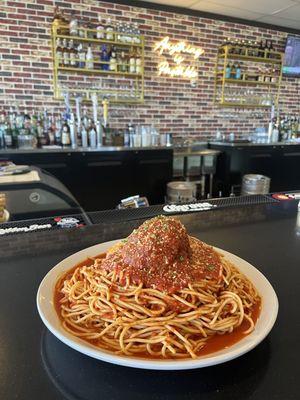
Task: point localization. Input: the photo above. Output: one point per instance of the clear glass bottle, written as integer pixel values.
(81, 56)
(59, 51)
(100, 29)
(105, 57)
(73, 54)
(89, 58)
(132, 61)
(109, 30)
(138, 62)
(66, 54)
(113, 60)
(73, 24)
(65, 135)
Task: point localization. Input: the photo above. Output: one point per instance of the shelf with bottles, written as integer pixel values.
(249, 50)
(107, 60)
(236, 66)
(134, 40)
(75, 48)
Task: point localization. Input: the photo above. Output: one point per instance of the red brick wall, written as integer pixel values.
(171, 104)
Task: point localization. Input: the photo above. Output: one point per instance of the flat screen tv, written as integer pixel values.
(291, 62)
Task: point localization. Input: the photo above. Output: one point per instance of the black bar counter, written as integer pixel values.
(35, 365)
(279, 161)
(100, 178)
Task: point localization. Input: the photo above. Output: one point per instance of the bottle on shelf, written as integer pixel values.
(81, 56)
(73, 54)
(105, 57)
(51, 130)
(59, 51)
(228, 71)
(113, 60)
(255, 49)
(85, 118)
(109, 30)
(65, 135)
(262, 48)
(66, 54)
(233, 71)
(89, 58)
(92, 135)
(137, 33)
(132, 61)
(121, 62)
(73, 24)
(100, 29)
(138, 62)
(58, 131)
(90, 31)
(84, 136)
(238, 72)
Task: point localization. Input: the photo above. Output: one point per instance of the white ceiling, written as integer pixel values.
(284, 13)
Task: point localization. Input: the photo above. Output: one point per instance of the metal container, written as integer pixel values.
(181, 192)
(255, 184)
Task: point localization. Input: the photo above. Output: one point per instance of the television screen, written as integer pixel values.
(291, 62)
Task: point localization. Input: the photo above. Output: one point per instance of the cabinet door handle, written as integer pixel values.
(104, 163)
(161, 161)
(54, 165)
(293, 154)
(260, 155)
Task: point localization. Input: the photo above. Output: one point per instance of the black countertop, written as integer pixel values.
(252, 144)
(35, 365)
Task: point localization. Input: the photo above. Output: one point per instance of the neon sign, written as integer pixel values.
(178, 66)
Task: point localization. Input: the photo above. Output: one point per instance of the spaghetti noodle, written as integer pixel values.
(115, 302)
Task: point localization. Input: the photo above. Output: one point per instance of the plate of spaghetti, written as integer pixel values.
(159, 299)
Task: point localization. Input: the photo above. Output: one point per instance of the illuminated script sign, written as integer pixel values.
(175, 63)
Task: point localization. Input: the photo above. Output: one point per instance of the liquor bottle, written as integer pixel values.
(255, 49)
(73, 25)
(113, 60)
(109, 30)
(89, 58)
(81, 56)
(233, 71)
(228, 71)
(104, 57)
(92, 134)
(85, 119)
(137, 33)
(73, 135)
(122, 62)
(262, 48)
(90, 32)
(2, 130)
(59, 51)
(100, 29)
(138, 62)
(58, 130)
(66, 53)
(119, 33)
(65, 135)
(51, 130)
(40, 130)
(238, 73)
(73, 54)
(132, 61)
(5, 133)
(84, 136)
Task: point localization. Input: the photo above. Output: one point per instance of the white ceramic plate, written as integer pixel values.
(263, 326)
